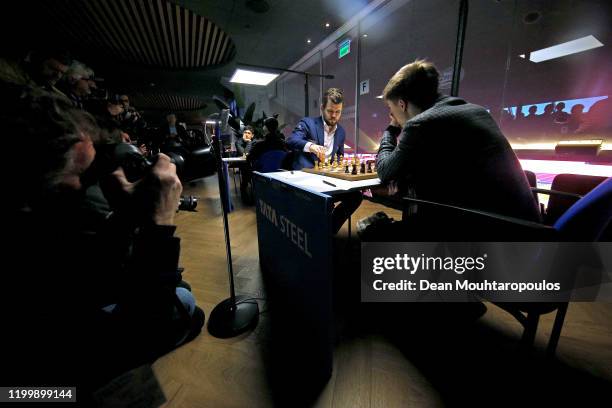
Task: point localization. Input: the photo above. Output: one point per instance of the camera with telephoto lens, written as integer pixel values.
(135, 166)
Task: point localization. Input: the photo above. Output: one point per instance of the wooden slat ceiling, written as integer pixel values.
(167, 102)
(155, 33)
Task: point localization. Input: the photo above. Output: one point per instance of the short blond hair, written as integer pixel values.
(416, 82)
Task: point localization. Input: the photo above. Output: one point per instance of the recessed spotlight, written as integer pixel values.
(365, 36)
(308, 41)
(327, 25)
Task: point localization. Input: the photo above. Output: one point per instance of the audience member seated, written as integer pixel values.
(108, 116)
(39, 69)
(132, 121)
(84, 305)
(172, 134)
(597, 122)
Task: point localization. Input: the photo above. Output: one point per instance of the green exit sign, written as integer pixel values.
(344, 48)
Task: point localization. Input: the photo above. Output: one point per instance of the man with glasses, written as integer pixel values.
(79, 83)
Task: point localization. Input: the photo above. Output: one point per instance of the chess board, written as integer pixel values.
(340, 174)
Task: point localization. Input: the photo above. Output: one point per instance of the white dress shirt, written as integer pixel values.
(329, 133)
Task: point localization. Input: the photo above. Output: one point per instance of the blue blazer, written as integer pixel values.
(311, 130)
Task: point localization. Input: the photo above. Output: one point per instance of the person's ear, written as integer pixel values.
(403, 106)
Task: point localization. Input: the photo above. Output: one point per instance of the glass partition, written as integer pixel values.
(340, 60)
(287, 94)
(392, 37)
(542, 68)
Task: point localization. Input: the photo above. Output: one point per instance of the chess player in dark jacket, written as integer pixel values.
(447, 150)
(273, 140)
(244, 143)
(322, 138)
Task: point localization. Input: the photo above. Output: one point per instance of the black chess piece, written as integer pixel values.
(346, 168)
(369, 167)
(362, 168)
(354, 171)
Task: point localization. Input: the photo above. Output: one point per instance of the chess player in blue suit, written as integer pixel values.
(323, 135)
(322, 138)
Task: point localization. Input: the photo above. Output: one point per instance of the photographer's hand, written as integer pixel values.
(170, 189)
(156, 196)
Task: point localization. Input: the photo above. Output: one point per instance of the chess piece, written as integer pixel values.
(369, 167)
(316, 167)
(346, 167)
(354, 171)
(325, 163)
(362, 169)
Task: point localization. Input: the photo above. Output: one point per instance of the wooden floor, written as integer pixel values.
(385, 357)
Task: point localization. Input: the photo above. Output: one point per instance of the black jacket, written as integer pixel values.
(66, 266)
(243, 146)
(270, 142)
(455, 153)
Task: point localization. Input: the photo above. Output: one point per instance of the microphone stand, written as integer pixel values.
(236, 314)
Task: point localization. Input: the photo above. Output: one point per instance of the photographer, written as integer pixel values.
(78, 84)
(86, 300)
(132, 122)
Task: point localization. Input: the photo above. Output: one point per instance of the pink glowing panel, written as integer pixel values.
(558, 167)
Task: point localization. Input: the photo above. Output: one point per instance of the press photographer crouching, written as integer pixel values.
(89, 294)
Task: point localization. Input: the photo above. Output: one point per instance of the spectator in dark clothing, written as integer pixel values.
(447, 150)
(560, 116)
(598, 120)
(131, 120)
(108, 116)
(576, 118)
(105, 297)
(39, 69)
(172, 134)
(532, 113)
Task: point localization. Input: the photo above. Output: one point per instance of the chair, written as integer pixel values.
(533, 184)
(585, 221)
(270, 161)
(566, 190)
(531, 178)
